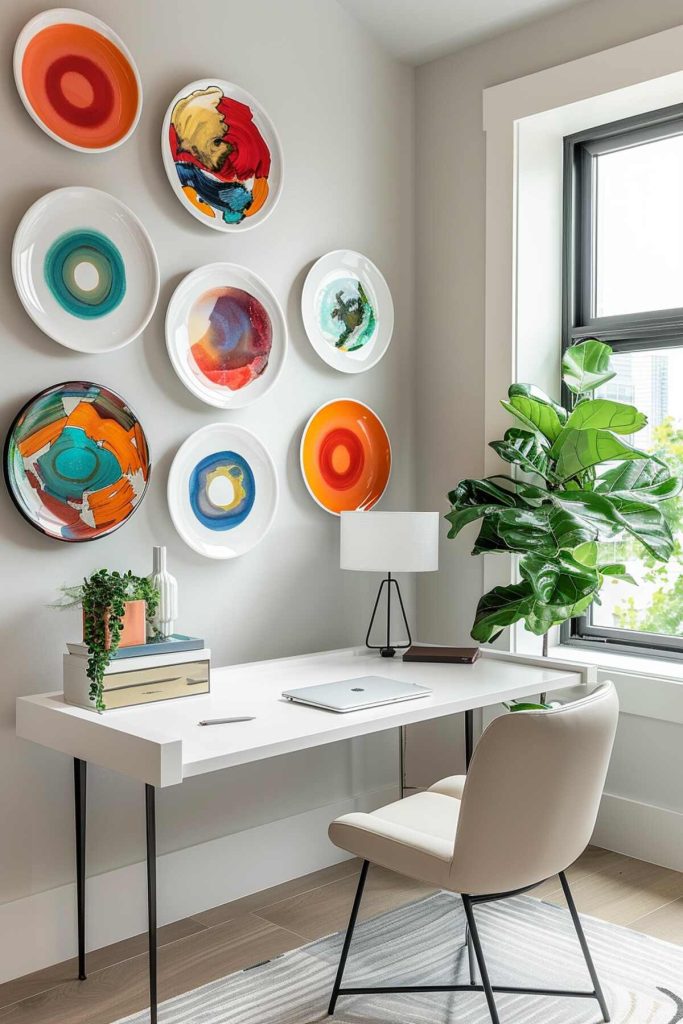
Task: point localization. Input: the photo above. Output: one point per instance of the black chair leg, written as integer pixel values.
(599, 995)
(470, 955)
(486, 984)
(348, 937)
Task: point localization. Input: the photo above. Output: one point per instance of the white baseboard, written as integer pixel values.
(40, 930)
(650, 833)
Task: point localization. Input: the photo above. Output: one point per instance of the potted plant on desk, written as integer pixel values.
(117, 609)
(582, 486)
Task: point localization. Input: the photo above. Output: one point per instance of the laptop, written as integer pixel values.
(356, 694)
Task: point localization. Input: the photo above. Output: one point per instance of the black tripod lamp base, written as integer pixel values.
(388, 650)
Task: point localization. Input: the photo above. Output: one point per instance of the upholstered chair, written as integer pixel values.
(525, 811)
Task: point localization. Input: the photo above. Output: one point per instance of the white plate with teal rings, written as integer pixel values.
(85, 269)
(222, 491)
(347, 311)
(226, 335)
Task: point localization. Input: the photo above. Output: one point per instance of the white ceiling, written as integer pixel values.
(419, 30)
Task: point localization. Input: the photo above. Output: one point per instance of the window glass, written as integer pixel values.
(639, 228)
(653, 381)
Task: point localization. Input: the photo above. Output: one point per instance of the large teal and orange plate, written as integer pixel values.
(76, 461)
(345, 456)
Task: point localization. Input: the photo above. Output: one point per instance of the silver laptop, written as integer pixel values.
(355, 694)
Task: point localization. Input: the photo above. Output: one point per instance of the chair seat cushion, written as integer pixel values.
(414, 836)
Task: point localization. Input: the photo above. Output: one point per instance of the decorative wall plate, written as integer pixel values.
(77, 80)
(222, 491)
(345, 456)
(347, 311)
(76, 461)
(222, 155)
(226, 335)
(85, 269)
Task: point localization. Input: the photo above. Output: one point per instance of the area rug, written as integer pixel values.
(526, 943)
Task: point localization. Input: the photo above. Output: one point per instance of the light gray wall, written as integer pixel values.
(344, 111)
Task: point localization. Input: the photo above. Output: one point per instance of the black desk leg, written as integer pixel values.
(80, 779)
(152, 898)
(469, 737)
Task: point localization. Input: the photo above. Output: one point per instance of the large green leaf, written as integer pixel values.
(616, 570)
(586, 366)
(530, 492)
(535, 410)
(488, 539)
(460, 518)
(522, 448)
(605, 414)
(558, 580)
(643, 480)
(541, 573)
(595, 509)
(482, 492)
(473, 499)
(586, 554)
(647, 524)
(568, 594)
(499, 608)
(582, 449)
(542, 617)
(545, 530)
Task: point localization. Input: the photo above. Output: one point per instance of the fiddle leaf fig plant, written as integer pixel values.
(583, 483)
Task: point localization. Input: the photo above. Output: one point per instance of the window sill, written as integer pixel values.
(628, 664)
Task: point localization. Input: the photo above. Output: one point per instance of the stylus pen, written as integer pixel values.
(227, 721)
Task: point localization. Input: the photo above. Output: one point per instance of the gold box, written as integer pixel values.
(129, 682)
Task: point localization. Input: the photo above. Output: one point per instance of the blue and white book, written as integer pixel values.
(168, 645)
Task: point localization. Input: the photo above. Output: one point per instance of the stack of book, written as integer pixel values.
(177, 666)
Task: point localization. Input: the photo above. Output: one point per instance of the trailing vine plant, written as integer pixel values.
(103, 596)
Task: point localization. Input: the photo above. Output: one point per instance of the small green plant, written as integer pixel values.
(103, 596)
(578, 486)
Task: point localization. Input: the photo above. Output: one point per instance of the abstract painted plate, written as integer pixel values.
(222, 155)
(222, 491)
(226, 335)
(76, 461)
(347, 311)
(345, 456)
(85, 269)
(77, 80)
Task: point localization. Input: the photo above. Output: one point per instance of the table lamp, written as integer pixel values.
(389, 542)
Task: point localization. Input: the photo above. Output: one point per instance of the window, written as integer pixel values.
(623, 284)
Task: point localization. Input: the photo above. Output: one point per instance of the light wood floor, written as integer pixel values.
(249, 931)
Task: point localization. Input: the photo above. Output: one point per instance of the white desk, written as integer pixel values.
(162, 744)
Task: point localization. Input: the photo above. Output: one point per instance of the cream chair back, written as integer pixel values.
(532, 794)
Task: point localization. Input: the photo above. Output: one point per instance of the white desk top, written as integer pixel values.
(162, 743)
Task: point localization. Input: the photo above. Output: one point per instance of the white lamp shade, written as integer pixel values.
(390, 541)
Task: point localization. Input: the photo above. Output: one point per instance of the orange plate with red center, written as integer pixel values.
(345, 456)
(77, 80)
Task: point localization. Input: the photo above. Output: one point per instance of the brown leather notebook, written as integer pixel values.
(442, 655)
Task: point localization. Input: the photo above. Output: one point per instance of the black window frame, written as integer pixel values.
(630, 332)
